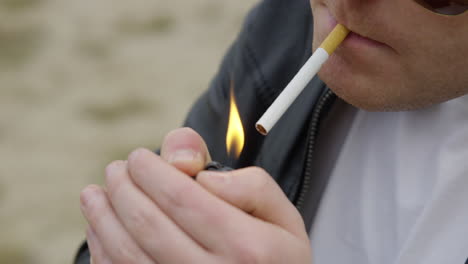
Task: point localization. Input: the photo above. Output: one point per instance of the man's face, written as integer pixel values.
(400, 56)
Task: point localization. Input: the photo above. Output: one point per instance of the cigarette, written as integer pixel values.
(302, 78)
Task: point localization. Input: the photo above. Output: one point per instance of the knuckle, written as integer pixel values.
(140, 220)
(258, 171)
(94, 207)
(128, 252)
(114, 164)
(115, 179)
(113, 187)
(179, 197)
(137, 156)
(141, 162)
(260, 178)
(251, 252)
(111, 169)
(125, 254)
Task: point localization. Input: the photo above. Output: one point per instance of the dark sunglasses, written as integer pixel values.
(446, 7)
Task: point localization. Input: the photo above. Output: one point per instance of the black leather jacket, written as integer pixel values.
(274, 43)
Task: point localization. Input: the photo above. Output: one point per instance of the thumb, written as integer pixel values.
(186, 150)
(255, 192)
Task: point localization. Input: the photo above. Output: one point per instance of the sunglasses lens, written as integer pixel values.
(446, 7)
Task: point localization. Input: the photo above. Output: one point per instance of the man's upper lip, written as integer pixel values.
(339, 15)
(360, 33)
(356, 30)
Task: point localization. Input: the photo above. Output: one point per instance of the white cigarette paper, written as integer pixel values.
(300, 81)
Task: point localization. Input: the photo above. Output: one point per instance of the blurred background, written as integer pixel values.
(84, 82)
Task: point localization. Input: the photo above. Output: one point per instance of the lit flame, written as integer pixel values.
(235, 133)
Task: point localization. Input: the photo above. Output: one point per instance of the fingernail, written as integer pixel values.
(114, 166)
(134, 155)
(183, 155)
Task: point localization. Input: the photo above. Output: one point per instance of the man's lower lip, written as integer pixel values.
(358, 40)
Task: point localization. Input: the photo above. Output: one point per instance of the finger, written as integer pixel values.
(153, 231)
(185, 149)
(255, 192)
(206, 218)
(114, 239)
(98, 256)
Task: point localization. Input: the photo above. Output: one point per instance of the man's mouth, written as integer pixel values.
(355, 39)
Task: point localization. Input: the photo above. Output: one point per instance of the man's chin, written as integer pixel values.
(360, 95)
(372, 98)
(358, 87)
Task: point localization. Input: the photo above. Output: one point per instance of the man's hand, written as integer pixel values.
(153, 212)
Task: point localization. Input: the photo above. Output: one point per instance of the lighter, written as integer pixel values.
(216, 166)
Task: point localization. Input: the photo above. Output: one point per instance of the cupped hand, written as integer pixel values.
(152, 212)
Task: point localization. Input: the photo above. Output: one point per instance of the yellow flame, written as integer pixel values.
(235, 133)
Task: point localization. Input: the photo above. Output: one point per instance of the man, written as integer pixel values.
(366, 187)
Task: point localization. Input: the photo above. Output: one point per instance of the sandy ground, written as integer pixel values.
(83, 82)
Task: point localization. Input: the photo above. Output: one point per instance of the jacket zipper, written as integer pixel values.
(327, 97)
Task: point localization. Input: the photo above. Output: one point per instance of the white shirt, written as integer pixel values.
(399, 191)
